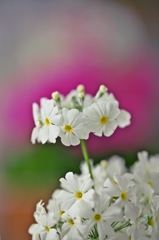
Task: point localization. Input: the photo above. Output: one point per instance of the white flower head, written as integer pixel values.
(72, 127)
(73, 228)
(101, 117)
(102, 215)
(76, 189)
(125, 192)
(144, 171)
(37, 116)
(48, 231)
(51, 118)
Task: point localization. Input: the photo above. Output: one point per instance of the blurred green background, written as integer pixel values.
(49, 46)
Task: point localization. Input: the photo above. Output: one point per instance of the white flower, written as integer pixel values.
(50, 117)
(40, 210)
(73, 228)
(104, 170)
(101, 117)
(124, 117)
(75, 190)
(55, 206)
(35, 228)
(72, 127)
(144, 193)
(47, 231)
(125, 192)
(144, 171)
(37, 116)
(102, 215)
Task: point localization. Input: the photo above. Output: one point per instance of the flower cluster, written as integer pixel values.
(73, 117)
(116, 205)
(105, 201)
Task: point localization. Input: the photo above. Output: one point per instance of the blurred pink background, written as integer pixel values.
(49, 46)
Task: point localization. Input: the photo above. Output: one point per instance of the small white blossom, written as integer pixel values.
(75, 190)
(47, 231)
(101, 117)
(73, 227)
(102, 215)
(72, 127)
(125, 193)
(144, 171)
(37, 116)
(49, 131)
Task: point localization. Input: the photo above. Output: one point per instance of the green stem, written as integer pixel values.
(86, 157)
(127, 224)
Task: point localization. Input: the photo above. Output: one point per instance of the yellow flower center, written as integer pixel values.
(151, 222)
(115, 182)
(71, 222)
(47, 229)
(103, 120)
(150, 183)
(123, 196)
(68, 128)
(61, 212)
(47, 122)
(79, 195)
(97, 217)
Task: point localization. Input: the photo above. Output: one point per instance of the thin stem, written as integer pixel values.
(127, 224)
(86, 157)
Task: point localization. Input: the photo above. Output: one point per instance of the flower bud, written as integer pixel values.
(81, 95)
(80, 88)
(56, 96)
(102, 89)
(104, 164)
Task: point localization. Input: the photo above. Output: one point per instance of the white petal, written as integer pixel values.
(122, 182)
(44, 134)
(131, 210)
(92, 112)
(123, 119)
(81, 134)
(111, 188)
(74, 140)
(65, 229)
(48, 107)
(110, 128)
(67, 199)
(104, 229)
(42, 101)
(65, 139)
(53, 133)
(84, 209)
(70, 183)
(34, 135)
(55, 119)
(112, 110)
(33, 229)
(36, 111)
(113, 213)
(53, 234)
(74, 234)
(71, 115)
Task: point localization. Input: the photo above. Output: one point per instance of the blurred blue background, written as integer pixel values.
(55, 45)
